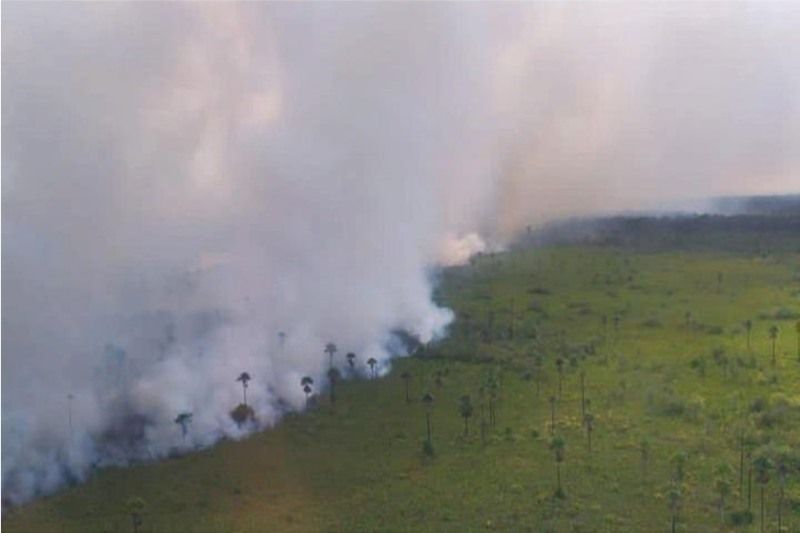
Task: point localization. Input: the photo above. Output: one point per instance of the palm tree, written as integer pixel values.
(588, 420)
(783, 465)
(538, 362)
(351, 360)
(583, 393)
(560, 368)
(306, 384)
(773, 335)
(330, 349)
(427, 401)
(333, 377)
(406, 376)
(552, 414)
(679, 462)
(674, 500)
(644, 453)
(762, 465)
(70, 397)
(183, 420)
(748, 326)
(465, 410)
(493, 386)
(557, 445)
(244, 377)
(722, 485)
(797, 327)
(372, 362)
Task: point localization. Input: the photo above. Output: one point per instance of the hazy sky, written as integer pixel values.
(182, 181)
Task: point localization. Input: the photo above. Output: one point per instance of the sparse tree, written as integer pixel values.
(558, 446)
(333, 378)
(371, 362)
(406, 375)
(183, 420)
(331, 350)
(773, 336)
(762, 465)
(243, 378)
(465, 410)
(351, 360)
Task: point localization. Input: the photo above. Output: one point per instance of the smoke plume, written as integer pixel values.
(194, 190)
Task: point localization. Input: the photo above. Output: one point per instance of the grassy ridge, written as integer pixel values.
(685, 385)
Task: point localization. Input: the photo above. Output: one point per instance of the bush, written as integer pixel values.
(243, 414)
(741, 518)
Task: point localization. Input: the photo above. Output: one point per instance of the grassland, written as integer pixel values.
(686, 384)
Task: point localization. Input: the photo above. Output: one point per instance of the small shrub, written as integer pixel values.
(741, 518)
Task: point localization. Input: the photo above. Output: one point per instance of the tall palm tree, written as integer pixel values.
(351, 360)
(588, 421)
(427, 401)
(773, 335)
(330, 349)
(644, 453)
(406, 376)
(560, 368)
(797, 328)
(762, 465)
(583, 393)
(183, 420)
(70, 397)
(306, 383)
(783, 466)
(333, 377)
(493, 385)
(748, 326)
(372, 362)
(557, 445)
(552, 414)
(244, 377)
(674, 500)
(538, 362)
(722, 485)
(465, 410)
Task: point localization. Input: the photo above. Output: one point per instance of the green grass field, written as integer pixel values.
(682, 383)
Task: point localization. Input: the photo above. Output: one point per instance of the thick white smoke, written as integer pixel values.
(195, 190)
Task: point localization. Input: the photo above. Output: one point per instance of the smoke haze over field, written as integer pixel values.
(182, 182)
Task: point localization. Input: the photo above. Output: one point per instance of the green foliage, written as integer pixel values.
(362, 467)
